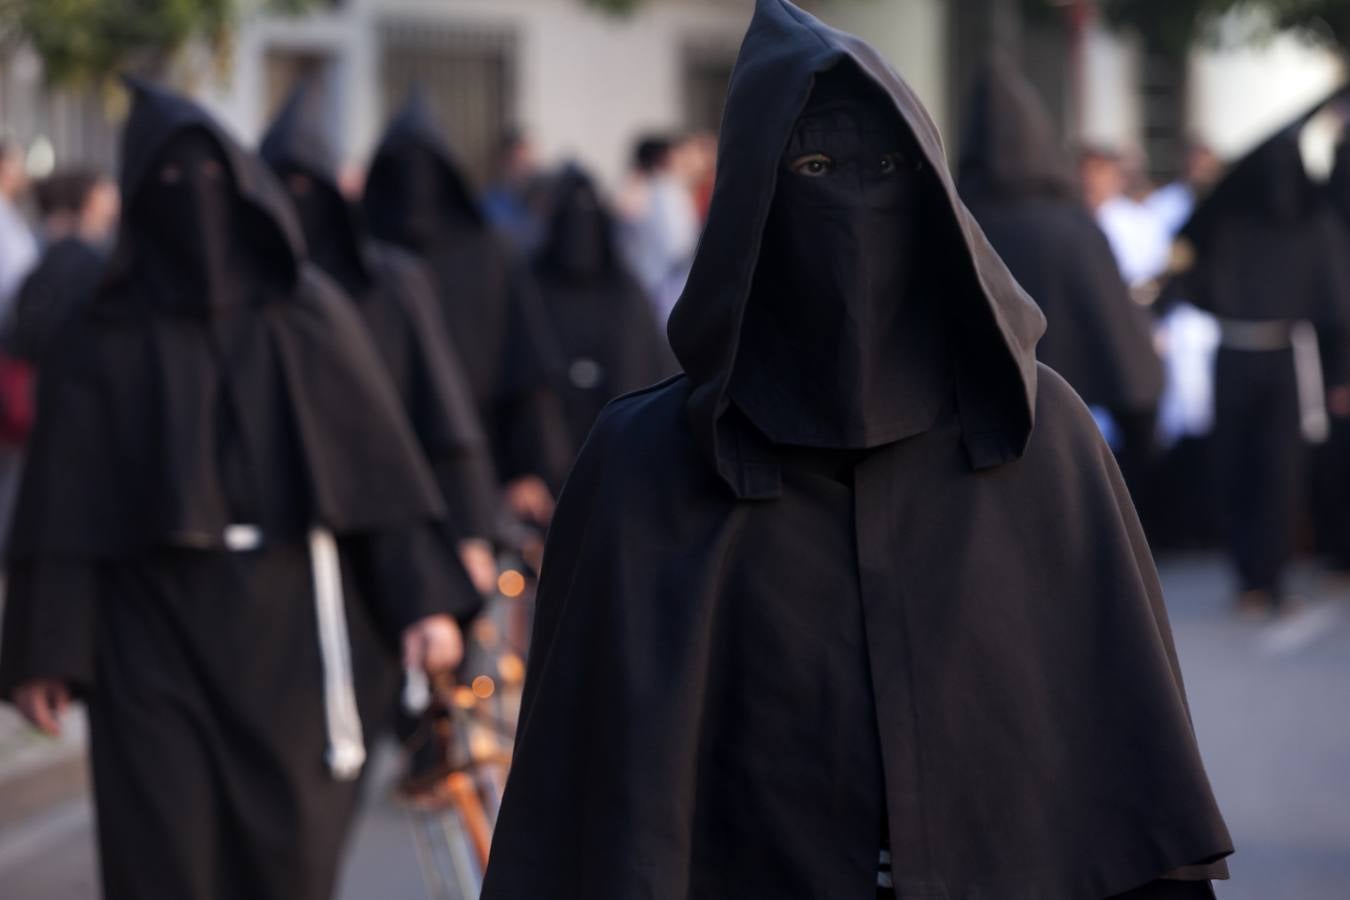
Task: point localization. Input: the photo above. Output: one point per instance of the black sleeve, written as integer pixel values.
(48, 626)
(1170, 890)
(468, 484)
(410, 574)
(533, 438)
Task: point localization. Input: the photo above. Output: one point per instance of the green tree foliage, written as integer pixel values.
(88, 41)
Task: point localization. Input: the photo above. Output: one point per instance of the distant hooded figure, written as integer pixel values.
(222, 476)
(600, 316)
(859, 603)
(418, 198)
(1021, 187)
(396, 299)
(1270, 263)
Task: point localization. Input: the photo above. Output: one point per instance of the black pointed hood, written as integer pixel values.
(157, 117)
(1268, 183)
(1010, 148)
(997, 324)
(299, 139)
(299, 136)
(415, 129)
(573, 196)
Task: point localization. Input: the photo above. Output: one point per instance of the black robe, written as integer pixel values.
(1331, 476)
(1267, 248)
(164, 419)
(600, 316)
(744, 663)
(1020, 186)
(61, 284)
(395, 297)
(491, 307)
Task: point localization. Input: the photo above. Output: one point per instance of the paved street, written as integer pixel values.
(1271, 703)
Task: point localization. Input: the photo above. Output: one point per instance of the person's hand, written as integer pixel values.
(43, 701)
(433, 645)
(530, 499)
(476, 555)
(1338, 401)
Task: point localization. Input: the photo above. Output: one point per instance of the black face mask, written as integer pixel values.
(579, 241)
(414, 190)
(192, 221)
(839, 348)
(326, 220)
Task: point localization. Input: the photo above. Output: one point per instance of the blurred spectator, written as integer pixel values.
(18, 250)
(1174, 203)
(659, 225)
(1138, 238)
(506, 200)
(79, 211)
(696, 163)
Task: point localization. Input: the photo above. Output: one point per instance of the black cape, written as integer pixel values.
(396, 300)
(1019, 184)
(162, 421)
(742, 669)
(61, 284)
(599, 314)
(490, 305)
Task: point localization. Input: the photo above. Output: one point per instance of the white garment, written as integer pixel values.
(18, 252)
(659, 238)
(1172, 206)
(1190, 339)
(1139, 239)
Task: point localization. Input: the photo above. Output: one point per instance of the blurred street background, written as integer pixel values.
(522, 85)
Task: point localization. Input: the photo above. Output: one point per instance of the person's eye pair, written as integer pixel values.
(818, 165)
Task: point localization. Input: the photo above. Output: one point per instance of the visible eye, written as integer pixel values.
(815, 165)
(170, 174)
(892, 163)
(210, 168)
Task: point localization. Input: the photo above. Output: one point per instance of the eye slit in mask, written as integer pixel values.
(170, 174)
(812, 165)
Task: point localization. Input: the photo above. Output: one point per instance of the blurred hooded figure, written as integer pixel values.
(1021, 187)
(394, 295)
(1270, 264)
(418, 198)
(1331, 481)
(222, 476)
(602, 319)
(884, 622)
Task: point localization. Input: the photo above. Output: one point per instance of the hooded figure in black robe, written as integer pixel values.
(222, 475)
(865, 577)
(394, 295)
(1021, 187)
(600, 316)
(1268, 254)
(418, 198)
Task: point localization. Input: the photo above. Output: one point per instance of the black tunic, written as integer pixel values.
(183, 401)
(395, 297)
(601, 318)
(1019, 184)
(741, 669)
(417, 197)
